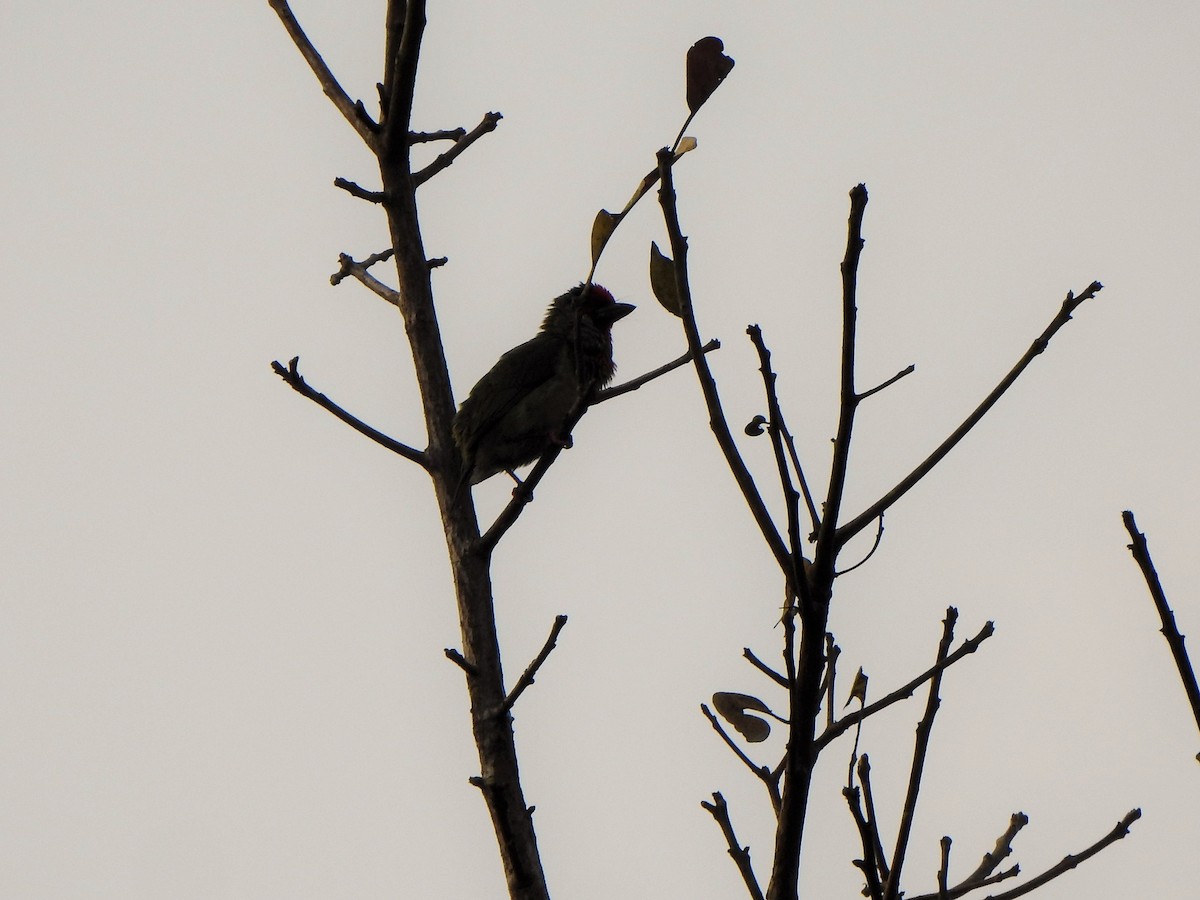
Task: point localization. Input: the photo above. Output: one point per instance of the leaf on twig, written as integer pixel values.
(602, 229)
(707, 67)
(754, 428)
(858, 690)
(732, 707)
(686, 145)
(662, 280)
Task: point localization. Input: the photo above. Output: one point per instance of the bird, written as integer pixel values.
(517, 410)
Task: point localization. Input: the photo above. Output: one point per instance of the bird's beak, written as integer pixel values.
(617, 311)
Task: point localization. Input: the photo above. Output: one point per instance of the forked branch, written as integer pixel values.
(1069, 305)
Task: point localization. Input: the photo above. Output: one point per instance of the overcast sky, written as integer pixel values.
(223, 612)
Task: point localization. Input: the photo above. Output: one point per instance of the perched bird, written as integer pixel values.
(517, 410)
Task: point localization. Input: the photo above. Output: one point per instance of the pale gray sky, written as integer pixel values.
(223, 612)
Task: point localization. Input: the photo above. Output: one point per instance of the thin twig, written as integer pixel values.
(879, 387)
(1072, 860)
(635, 383)
(962, 889)
(348, 265)
(353, 112)
(870, 553)
(868, 864)
(741, 855)
(859, 522)
(1001, 851)
(764, 668)
(813, 515)
(291, 374)
(357, 190)
(761, 771)
(459, 660)
(864, 777)
(708, 386)
(832, 652)
(944, 869)
(1141, 553)
(776, 429)
(826, 546)
(531, 670)
(848, 721)
(487, 124)
(920, 750)
(425, 137)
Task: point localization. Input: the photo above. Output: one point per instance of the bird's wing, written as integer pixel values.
(515, 375)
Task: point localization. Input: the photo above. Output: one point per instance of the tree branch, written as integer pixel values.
(488, 124)
(1072, 860)
(356, 190)
(350, 266)
(531, 670)
(741, 855)
(777, 430)
(879, 387)
(824, 556)
(868, 864)
(291, 374)
(1141, 553)
(1001, 851)
(635, 383)
(859, 522)
(762, 772)
(924, 731)
(764, 668)
(708, 386)
(352, 111)
(848, 721)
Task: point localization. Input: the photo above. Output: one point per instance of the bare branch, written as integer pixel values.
(459, 660)
(825, 553)
(944, 869)
(1001, 851)
(350, 266)
(864, 776)
(352, 111)
(761, 771)
(870, 553)
(741, 855)
(488, 124)
(777, 429)
(764, 668)
(921, 748)
(531, 670)
(848, 721)
(868, 864)
(405, 29)
(708, 386)
(1141, 553)
(879, 387)
(859, 522)
(832, 652)
(357, 190)
(962, 889)
(635, 383)
(291, 374)
(1072, 860)
(426, 137)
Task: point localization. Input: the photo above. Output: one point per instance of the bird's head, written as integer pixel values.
(590, 304)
